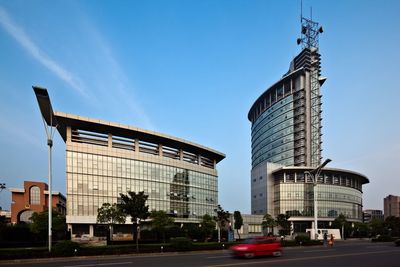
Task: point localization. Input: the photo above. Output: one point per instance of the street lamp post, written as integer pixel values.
(49, 125)
(314, 174)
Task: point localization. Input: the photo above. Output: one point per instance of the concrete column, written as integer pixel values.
(91, 230)
(136, 145)
(69, 134)
(180, 154)
(160, 153)
(109, 140)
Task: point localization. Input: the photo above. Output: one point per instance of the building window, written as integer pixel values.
(34, 195)
(26, 216)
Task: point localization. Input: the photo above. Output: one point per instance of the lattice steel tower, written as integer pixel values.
(309, 41)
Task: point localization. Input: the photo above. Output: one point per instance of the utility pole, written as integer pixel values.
(314, 174)
(50, 126)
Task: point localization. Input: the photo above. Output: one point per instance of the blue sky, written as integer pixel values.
(192, 69)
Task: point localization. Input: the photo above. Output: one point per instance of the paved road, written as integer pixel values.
(345, 253)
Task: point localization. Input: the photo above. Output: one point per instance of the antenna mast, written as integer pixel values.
(310, 31)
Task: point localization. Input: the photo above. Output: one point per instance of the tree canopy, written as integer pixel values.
(207, 226)
(134, 205)
(269, 222)
(40, 223)
(160, 221)
(237, 216)
(283, 221)
(222, 217)
(110, 214)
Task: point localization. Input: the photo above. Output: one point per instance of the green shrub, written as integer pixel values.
(289, 243)
(181, 244)
(23, 253)
(302, 239)
(382, 238)
(66, 248)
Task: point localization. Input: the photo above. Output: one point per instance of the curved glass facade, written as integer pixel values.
(338, 192)
(272, 134)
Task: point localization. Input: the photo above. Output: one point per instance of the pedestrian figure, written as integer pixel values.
(325, 239)
(331, 240)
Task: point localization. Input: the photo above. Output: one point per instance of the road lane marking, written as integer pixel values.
(319, 250)
(100, 264)
(216, 257)
(300, 259)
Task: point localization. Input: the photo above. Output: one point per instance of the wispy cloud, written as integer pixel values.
(117, 87)
(26, 42)
(107, 76)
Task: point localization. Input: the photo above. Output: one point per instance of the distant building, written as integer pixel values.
(33, 198)
(105, 159)
(252, 226)
(369, 215)
(391, 206)
(7, 215)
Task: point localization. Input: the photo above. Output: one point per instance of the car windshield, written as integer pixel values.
(249, 241)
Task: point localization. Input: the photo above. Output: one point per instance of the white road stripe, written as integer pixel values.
(100, 264)
(216, 257)
(320, 250)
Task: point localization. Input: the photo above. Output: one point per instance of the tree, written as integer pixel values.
(110, 214)
(283, 221)
(269, 222)
(161, 221)
(134, 205)
(222, 219)
(207, 226)
(237, 216)
(392, 225)
(341, 223)
(360, 229)
(40, 222)
(376, 226)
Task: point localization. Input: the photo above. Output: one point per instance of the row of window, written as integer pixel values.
(351, 211)
(272, 113)
(274, 95)
(91, 164)
(324, 178)
(272, 134)
(87, 206)
(182, 192)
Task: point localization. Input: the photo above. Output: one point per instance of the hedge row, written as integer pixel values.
(69, 248)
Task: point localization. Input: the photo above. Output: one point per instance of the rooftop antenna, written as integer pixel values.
(301, 9)
(310, 31)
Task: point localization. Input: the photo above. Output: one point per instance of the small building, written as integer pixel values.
(252, 226)
(369, 215)
(34, 198)
(7, 216)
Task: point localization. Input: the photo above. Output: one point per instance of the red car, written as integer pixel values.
(257, 246)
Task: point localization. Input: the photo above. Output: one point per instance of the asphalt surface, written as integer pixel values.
(344, 253)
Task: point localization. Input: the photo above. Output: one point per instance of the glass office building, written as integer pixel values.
(286, 143)
(104, 159)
